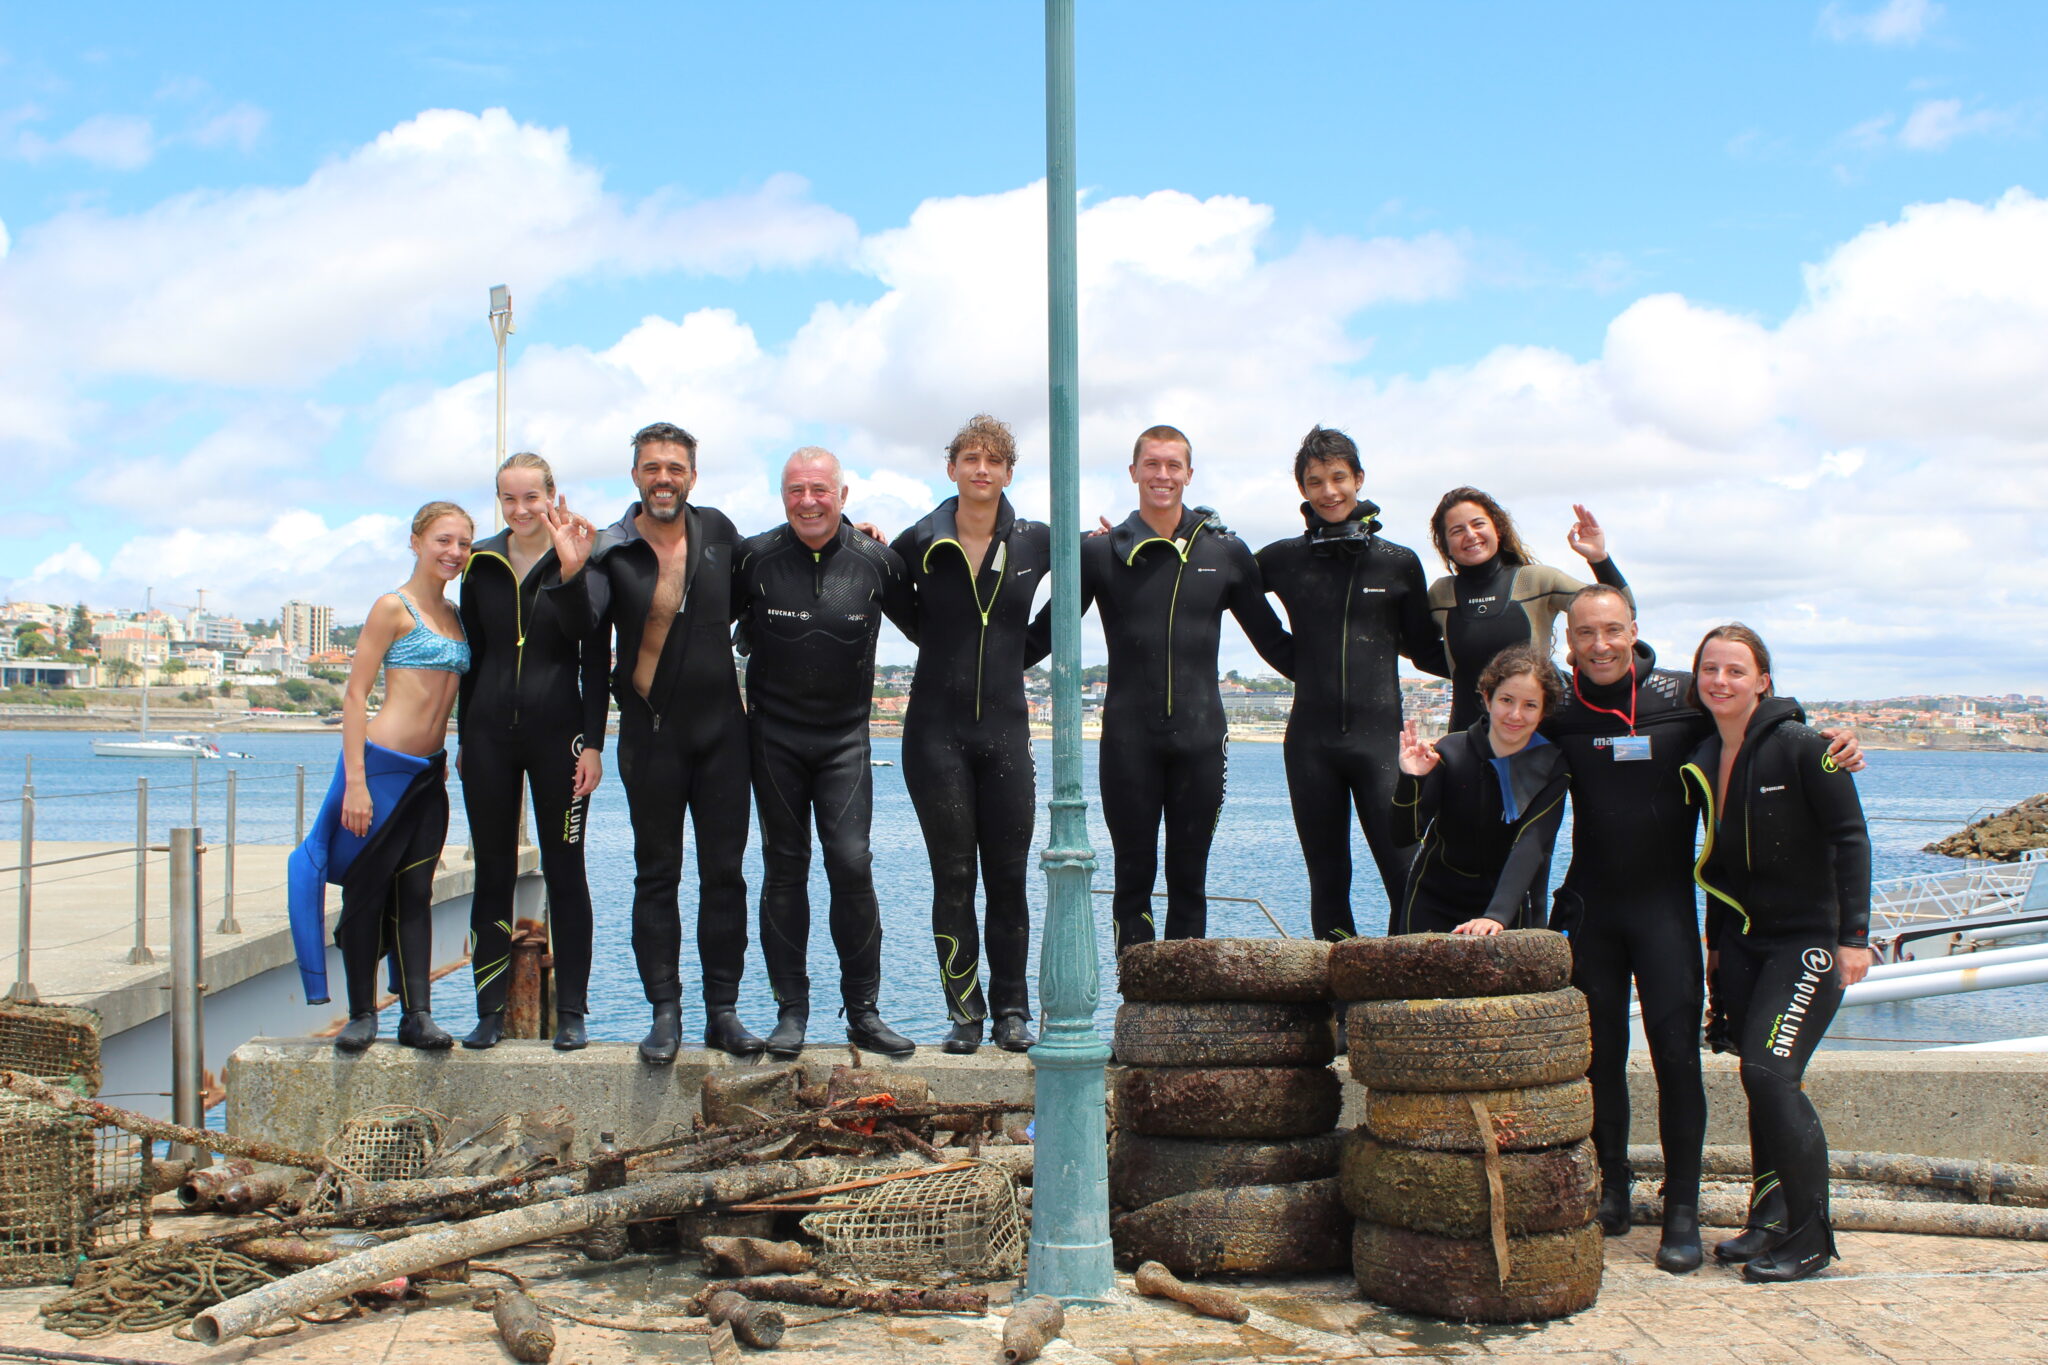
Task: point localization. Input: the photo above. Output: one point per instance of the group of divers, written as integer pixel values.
(1461, 830)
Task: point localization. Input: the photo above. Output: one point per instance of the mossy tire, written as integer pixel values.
(1495, 1042)
(1270, 969)
(1228, 1102)
(1550, 1274)
(1223, 1033)
(1295, 1229)
(1449, 966)
(1446, 1192)
(1524, 1119)
(1144, 1170)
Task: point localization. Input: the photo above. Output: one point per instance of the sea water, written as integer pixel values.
(1911, 798)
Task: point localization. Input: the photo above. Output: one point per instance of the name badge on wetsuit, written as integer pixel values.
(1630, 748)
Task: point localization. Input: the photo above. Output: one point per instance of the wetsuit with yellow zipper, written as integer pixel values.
(526, 715)
(967, 745)
(1163, 753)
(682, 750)
(1785, 865)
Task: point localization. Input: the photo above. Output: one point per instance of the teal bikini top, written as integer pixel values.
(421, 647)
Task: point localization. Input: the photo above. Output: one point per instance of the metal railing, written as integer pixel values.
(28, 864)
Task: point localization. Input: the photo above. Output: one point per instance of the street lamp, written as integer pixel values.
(501, 327)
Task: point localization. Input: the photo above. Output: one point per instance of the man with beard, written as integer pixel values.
(662, 578)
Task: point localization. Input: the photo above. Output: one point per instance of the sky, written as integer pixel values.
(1765, 285)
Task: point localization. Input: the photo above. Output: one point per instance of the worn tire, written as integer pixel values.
(1448, 966)
(1550, 1274)
(1223, 1033)
(1270, 969)
(1446, 1193)
(1495, 1042)
(1539, 1116)
(1293, 1229)
(1144, 1170)
(1228, 1102)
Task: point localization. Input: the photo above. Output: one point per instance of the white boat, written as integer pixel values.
(171, 746)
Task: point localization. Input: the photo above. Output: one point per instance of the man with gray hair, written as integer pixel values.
(809, 597)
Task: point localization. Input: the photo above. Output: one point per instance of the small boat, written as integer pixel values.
(172, 746)
(881, 763)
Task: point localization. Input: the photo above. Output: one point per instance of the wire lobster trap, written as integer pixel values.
(46, 1192)
(55, 1043)
(964, 1223)
(390, 1142)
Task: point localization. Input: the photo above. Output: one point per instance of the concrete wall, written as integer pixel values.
(1991, 1105)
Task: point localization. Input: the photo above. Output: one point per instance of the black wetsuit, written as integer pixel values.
(808, 621)
(1490, 607)
(1479, 856)
(682, 748)
(1354, 603)
(532, 701)
(387, 897)
(1786, 867)
(1629, 904)
(967, 745)
(1163, 729)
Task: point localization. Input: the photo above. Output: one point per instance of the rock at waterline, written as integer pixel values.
(2002, 837)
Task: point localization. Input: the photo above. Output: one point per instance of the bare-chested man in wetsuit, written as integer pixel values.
(662, 578)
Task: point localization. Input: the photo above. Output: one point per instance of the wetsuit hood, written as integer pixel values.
(1352, 535)
(1772, 711)
(1126, 538)
(1522, 774)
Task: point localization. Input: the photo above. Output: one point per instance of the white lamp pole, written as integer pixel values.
(501, 327)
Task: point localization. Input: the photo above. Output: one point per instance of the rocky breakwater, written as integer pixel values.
(2003, 837)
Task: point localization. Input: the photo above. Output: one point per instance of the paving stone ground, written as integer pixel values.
(1890, 1298)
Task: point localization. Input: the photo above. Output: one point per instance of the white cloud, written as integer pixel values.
(235, 476)
(1895, 23)
(238, 126)
(1934, 124)
(115, 142)
(73, 561)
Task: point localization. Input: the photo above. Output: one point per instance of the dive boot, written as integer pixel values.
(1679, 1250)
(1765, 1225)
(724, 1031)
(1013, 1032)
(1613, 1215)
(665, 1039)
(865, 1029)
(489, 1029)
(1804, 1251)
(963, 1039)
(786, 1039)
(570, 1035)
(357, 1034)
(416, 1028)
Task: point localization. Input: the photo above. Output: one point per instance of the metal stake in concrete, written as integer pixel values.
(188, 1047)
(24, 992)
(227, 923)
(140, 953)
(1070, 1251)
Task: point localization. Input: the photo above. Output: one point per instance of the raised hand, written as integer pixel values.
(1418, 757)
(1588, 541)
(571, 534)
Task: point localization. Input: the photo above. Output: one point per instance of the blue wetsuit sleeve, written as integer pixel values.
(1255, 614)
(1535, 833)
(1831, 796)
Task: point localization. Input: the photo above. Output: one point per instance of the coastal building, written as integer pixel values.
(305, 628)
(144, 648)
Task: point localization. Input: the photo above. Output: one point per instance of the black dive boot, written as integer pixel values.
(865, 1029)
(1765, 1225)
(357, 1034)
(489, 1029)
(1613, 1215)
(1013, 1032)
(1804, 1251)
(1679, 1250)
(570, 1035)
(786, 1039)
(665, 1039)
(724, 1031)
(963, 1039)
(416, 1028)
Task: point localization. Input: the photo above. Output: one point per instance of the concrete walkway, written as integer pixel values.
(1890, 1298)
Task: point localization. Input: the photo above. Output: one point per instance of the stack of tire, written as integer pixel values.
(1448, 1028)
(1225, 1154)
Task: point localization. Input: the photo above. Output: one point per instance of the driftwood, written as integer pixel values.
(815, 1294)
(142, 1125)
(754, 1256)
(1031, 1327)
(1730, 1209)
(752, 1324)
(1985, 1181)
(662, 1197)
(527, 1335)
(1155, 1281)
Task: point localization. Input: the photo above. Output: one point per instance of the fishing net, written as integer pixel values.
(391, 1142)
(52, 1042)
(960, 1222)
(46, 1191)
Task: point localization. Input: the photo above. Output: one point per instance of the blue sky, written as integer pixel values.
(1657, 259)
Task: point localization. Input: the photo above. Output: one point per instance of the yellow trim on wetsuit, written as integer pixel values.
(1707, 845)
